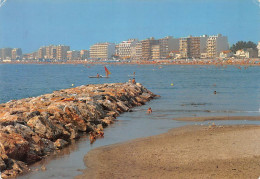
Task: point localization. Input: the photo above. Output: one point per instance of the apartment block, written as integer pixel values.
(73, 55)
(167, 45)
(216, 44)
(147, 48)
(6, 53)
(156, 51)
(42, 52)
(51, 52)
(123, 49)
(62, 52)
(102, 50)
(136, 51)
(16, 53)
(84, 54)
(193, 47)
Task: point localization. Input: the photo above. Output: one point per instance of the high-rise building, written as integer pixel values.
(168, 44)
(156, 51)
(84, 54)
(216, 44)
(147, 48)
(16, 53)
(136, 51)
(62, 52)
(102, 50)
(190, 47)
(51, 52)
(124, 48)
(73, 55)
(6, 53)
(42, 52)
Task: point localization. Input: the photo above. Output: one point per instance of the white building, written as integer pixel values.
(216, 44)
(226, 54)
(102, 50)
(246, 53)
(124, 48)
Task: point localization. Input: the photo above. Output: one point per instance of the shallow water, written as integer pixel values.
(192, 94)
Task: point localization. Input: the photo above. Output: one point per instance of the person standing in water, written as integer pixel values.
(149, 110)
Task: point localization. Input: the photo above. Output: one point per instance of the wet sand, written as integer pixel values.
(186, 152)
(215, 118)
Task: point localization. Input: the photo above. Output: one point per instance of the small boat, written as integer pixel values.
(100, 76)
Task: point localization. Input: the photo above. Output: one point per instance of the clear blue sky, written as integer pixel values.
(30, 24)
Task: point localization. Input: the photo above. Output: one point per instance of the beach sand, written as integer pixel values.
(186, 152)
(216, 118)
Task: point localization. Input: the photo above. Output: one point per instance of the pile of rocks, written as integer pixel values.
(34, 127)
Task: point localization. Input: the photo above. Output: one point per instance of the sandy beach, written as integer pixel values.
(217, 118)
(186, 152)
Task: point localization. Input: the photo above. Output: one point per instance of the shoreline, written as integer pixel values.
(218, 118)
(33, 128)
(212, 151)
(209, 62)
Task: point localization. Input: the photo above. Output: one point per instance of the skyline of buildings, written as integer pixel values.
(190, 47)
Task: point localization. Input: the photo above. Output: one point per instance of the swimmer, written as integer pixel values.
(149, 110)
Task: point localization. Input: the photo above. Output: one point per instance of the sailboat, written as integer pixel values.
(100, 76)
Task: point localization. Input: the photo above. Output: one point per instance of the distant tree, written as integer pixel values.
(242, 45)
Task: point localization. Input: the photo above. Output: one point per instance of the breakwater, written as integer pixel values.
(32, 128)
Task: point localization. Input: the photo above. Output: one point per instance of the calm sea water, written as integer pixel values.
(185, 91)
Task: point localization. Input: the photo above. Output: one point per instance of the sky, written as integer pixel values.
(30, 24)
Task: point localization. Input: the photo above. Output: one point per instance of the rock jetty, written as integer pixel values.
(32, 128)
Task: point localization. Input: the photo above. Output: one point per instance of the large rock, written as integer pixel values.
(15, 146)
(60, 143)
(44, 128)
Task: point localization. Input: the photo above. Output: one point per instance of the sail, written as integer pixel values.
(107, 71)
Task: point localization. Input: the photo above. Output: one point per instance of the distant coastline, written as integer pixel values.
(217, 62)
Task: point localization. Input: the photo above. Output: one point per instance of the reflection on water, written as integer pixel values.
(186, 91)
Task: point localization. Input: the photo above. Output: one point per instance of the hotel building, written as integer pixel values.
(62, 52)
(124, 48)
(16, 53)
(73, 55)
(102, 50)
(216, 44)
(6, 53)
(84, 54)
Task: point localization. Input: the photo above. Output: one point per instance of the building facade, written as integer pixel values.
(147, 48)
(258, 47)
(136, 51)
(190, 47)
(216, 44)
(42, 53)
(168, 44)
(73, 55)
(62, 52)
(6, 53)
(247, 53)
(102, 50)
(123, 49)
(17, 53)
(84, 54)
(51, 52)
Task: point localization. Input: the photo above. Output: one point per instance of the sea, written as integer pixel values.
(185, 90)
